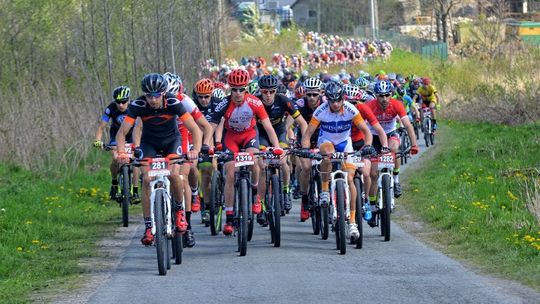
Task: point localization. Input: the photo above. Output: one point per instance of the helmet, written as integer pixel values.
(121, 93)
(268, 82)
(299, 91)
(305, 73)
(426, 81)
(219, 85)
(351, 91)
(392, 76)
(400, 91)
(253, 87)
(400, 79)
(312, 83)
(364, 96)
(174, 83)
(362, 82)
(382, 87)
(153, 83)
(238, 78)
(333, 90)
(218, 93)
(204, 86)
(281, 89)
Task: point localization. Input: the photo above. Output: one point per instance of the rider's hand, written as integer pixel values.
(277, 151)
(219, 146)
(193, 155)
(204, 149)
(123, 158)
(137, 152)
(98, 144)
(414, 150)
(385, 150)
(368, 150)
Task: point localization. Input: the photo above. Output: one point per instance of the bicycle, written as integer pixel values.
(404, 145)
(216, 201)
(273, 195)
(125, 180)
(385, 193)
(427, 126)
(361, 199)
(161, 211)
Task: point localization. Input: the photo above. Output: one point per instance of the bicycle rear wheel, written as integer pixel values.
(243, 217)
(160, 237)
(315, 210)
(126, 194)
(427, 131)
(276, 212)
(215, 203)
(359, 205)
(177, 240)
(341, 237)
(385, 212)
(325, 222)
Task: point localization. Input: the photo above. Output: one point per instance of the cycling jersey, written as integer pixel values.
(157, 123)
(112, 114)
(307, 113)
(336, 127)
(368, 115)
(276, 113)
(207, 111)
(386, 117)
(427, 93)
(192, 109)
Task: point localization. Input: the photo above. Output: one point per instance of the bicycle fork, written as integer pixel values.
(379, 190)
(342, 175)
(161, 187)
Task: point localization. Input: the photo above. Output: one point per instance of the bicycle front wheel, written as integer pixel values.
(276, 212)
(340, 231)
(244, 216)
(359, 205)
(315, 211)
(385, 212)
(160, 236)
(126, 195)
(215, 203)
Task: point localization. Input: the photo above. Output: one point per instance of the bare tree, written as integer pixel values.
(442, 12)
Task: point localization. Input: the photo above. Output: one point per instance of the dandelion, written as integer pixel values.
(49, 211)
(36, 241)
(511, 195)
(503, 207)
(515, 235)
(44, 246)
(4, 210)
(28, 222)
(416, 190)
(19, 248)
(62, 187)
(490, 178)
(432, 207)
(471, 222)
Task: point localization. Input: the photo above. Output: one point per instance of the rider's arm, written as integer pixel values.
(99, 132)
(359, 122)
(207, 130)
(270, 131)
(302, 124)
(382, 136)
(312, 127)
(137, 132)
(196, 133)
(121, 135)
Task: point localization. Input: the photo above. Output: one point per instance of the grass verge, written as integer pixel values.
(480, 193)
(48, 225)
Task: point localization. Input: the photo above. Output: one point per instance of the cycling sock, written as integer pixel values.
(177, 206)
(324, 187)
(148, 222)
(434, 121)
(254, 188)
(304, 199)
(395, 171)
(188, 219)
(352, 218)
(135, 190)
(285, 188)
(373, 200)
(195, 191)
(114, 182)
(229, 210)
(396, 178)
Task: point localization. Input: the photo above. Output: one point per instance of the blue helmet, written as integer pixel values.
(382, 87)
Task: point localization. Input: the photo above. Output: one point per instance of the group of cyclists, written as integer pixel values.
(254, 111)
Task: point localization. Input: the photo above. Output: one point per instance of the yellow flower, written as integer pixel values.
(511, 195)
(49, 211)
(19, 248)
(28, 222)
(416, 190)
(44, 246)
(432, 207)
(490, 178)
(36, 241)
(62, 187)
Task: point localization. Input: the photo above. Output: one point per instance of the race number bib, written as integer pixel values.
(158, 166)
(243, 159)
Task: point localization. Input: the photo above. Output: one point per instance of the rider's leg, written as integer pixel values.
(326, 166)
(351, 168)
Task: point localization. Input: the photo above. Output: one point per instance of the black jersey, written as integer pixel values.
(158, 123)
(276, 113)
(208, 110)
(114, 116)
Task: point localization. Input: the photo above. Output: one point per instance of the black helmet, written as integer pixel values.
(268, 82)
(154, 83)
(281, 89)
(121, 93)
(333, 90)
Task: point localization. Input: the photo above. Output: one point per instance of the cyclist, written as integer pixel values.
(240, 111)
(307, 105)
(408, 103)
(203, 94)
(276, 106)
(115, 113)
(336, 118)
(386, 110)
(192, 203)
(353, 95)
(158, 111)
(430, 98)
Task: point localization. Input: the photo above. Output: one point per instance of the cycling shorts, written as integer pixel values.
(151, 149)
(234, 141)
(264, 141)
(377, 142)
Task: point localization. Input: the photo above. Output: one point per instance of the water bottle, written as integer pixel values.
(367, 212)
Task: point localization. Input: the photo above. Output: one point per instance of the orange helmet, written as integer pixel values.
(204, 86)
(238, 78)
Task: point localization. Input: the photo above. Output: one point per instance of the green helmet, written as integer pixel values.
(253, 87)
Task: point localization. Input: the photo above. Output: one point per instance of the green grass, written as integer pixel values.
(474, 193)
(47, 225)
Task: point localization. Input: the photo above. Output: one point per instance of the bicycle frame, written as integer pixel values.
(161, 182)
(385, 171)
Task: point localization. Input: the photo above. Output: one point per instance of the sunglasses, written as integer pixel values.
(334, 101)
(238, 89)
(203, 96)
(156, 94)
(312, 95)
(122, 101)
(384, 95)
(268, 91)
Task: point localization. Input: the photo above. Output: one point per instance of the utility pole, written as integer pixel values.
(372, 7)
(319, 16)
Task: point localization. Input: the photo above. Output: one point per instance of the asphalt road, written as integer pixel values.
(304, 269)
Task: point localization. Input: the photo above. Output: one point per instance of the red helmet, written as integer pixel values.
(238, 78)
(219, 85)
(426, 81)
(299, 91)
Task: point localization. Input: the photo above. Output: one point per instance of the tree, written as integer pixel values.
(443, 8)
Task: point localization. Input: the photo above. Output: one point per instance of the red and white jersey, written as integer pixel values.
(239, 118)
(387, 117)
